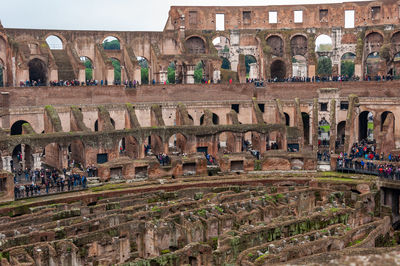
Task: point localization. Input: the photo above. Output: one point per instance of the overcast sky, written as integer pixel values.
(123, 15)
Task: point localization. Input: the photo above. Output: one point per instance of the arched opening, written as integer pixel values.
(341, 132)
(199, 72)
(52, 156)
(299, 66)
(395, 42)
(298, 45)
(144, 69)
(324, 130)
(122, 146)
(171, 73)
(347, 65)
(111, 43)
(88, 67)
(274, 141)
(278, 70)
(225, 64)
(222, 45)
(195, 45)
(77, 152)
(373, 41)
(251, 67)
(37, 72)
(373, 65)
(323, 43)
(16, 128)
(215, 119)
(324, 67)
(96, 124)
(154, 145)
(287, 119)
(177, 144)
(117, 70)
(366, 126)
(306, 127)
(22, 160)
(54, 43)
(383, 118)
(276, 45)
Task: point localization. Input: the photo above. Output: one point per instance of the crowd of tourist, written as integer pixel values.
(163, 159)
(29, 183)
(75, 82)
(363, 158)
(210, 159)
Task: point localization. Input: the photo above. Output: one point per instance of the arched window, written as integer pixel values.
(54, 43)
(111, 43)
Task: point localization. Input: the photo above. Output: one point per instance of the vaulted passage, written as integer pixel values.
(37, 71)
(278, 70)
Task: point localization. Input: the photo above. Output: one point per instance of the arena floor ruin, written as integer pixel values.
(254, 219)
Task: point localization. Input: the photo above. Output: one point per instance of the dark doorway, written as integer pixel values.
(37, 71)
(278, 70)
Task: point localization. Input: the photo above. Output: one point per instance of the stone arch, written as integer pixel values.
(177, 143)
(111, 42)
(278, 69)
(323, 43)
(25, 154)
(373, 41)
(96, 124)
(384, 116)
(38, 71)
(287, 119)
(195, 45)
(54, 42)
(16, 128)
(298, 45)
(88, 67)
(276, 44)
(347, 64)
(215, 119)
(395, 41)
(373, 64)
(222, 45)
(366, 126)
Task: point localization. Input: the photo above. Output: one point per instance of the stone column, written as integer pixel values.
(189, 75)
(6, 163)
(37, 163)
(141, 150)
(333, 131)
(216, 75)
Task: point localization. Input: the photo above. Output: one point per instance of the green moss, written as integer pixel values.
(219, 209)
(54, 118)
(202, 213)
(165, 251)
(156, 209)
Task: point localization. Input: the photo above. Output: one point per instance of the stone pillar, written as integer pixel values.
(37, 163)
(189, 75)
(163, 76)
(141, 150)
(64, 158)
(6, 163)
(263, 143)
(333, 133)
(216, 75)
(82, 75)
(358, 71)
(253, 74)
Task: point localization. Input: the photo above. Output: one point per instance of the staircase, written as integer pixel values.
(65, 70)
